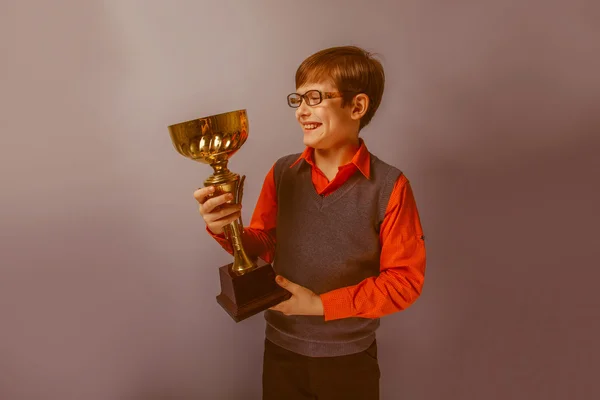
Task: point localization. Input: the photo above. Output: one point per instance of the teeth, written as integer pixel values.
(310, 126)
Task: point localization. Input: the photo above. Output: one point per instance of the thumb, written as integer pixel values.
(286, 284)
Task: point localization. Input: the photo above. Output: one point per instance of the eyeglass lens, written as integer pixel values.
(312, 97)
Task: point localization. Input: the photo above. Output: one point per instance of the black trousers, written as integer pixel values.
(291, 376)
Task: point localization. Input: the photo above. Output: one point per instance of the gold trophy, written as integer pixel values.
(247, 285)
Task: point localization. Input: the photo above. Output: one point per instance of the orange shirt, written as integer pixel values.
(402, 259)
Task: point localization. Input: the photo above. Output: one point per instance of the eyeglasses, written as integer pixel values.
(312, 97)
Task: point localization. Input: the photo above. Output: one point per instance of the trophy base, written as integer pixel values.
(243, 296)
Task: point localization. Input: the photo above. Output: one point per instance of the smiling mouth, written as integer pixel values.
(311, 126)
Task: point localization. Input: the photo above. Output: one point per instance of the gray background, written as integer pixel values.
(108, 280)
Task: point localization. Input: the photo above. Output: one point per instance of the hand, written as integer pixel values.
(216, 211)
(302, 302)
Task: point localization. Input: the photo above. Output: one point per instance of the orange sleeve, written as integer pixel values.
(402, 265)
(258, 238)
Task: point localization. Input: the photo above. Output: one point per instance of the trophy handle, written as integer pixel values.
(238, 199)
(228, 229)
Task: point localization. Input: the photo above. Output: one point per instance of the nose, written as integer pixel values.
(303, 110)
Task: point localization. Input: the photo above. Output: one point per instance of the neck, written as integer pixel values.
(332, 158)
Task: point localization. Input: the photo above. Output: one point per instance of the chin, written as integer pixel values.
(312, 139)
(311, 142)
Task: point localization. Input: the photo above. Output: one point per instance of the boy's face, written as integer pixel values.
(327, 125)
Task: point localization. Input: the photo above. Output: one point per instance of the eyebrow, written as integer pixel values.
(308, 90)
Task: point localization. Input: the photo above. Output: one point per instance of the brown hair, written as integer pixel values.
(351, 69)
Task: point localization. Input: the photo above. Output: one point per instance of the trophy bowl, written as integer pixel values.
(211, 140)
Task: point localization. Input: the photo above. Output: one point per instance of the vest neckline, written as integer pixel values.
(325, 201)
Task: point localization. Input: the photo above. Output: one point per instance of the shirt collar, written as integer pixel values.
(361, 159)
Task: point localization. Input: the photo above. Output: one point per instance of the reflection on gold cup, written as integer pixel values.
(246, 287)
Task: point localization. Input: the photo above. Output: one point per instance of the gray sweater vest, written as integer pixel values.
(325, 243)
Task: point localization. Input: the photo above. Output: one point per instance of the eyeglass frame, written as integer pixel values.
(322, 96)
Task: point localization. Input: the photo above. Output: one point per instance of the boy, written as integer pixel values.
(342, 230)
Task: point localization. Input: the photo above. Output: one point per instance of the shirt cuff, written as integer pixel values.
(337, 304)
(220, 238)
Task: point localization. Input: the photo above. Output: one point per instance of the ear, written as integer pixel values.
(360, 105)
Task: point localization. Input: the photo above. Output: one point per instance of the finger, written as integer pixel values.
(281, 307)
(219, 224)
(201, 194)
(216, 201)
(221, 213)
(286, 284)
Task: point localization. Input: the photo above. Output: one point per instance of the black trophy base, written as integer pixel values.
(243, 296)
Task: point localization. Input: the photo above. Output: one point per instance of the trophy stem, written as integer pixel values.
(242, 263)
(221, 174)
(228, 182)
